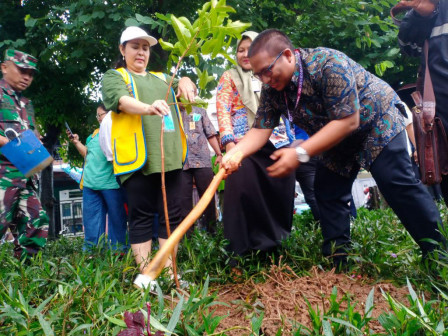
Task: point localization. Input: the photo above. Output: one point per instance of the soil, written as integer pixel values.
(282, 298)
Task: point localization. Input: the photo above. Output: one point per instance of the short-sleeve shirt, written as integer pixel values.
(149, 88)
(16, 112)
(198, 128)
(334, 87)
(98, 173)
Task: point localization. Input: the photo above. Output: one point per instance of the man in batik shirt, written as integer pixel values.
(20, 208)
(353, 121)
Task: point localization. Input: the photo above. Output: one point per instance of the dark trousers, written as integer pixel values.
(145, 199)
(202, 178)
(407, 196)
(305, 175)
(444, 188)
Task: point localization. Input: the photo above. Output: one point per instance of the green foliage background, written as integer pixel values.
(77, 41)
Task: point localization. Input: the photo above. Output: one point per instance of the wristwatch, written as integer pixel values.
(302, 154)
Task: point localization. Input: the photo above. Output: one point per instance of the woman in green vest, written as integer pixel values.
(137, 99)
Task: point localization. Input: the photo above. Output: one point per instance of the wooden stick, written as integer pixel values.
(158, 262)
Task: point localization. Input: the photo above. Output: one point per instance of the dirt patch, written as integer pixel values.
(282, 298)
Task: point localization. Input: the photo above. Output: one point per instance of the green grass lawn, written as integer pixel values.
(64, 291)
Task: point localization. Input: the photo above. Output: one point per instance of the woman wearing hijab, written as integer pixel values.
(258, 209)
(137, 99)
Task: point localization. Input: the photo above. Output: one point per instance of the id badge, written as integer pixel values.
(192, 125)
(196, 117)
(256, 85)
(169, 123)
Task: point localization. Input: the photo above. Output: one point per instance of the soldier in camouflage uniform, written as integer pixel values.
(20, 208)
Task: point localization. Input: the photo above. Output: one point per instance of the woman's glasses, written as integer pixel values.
(268, 71)
(98, 115)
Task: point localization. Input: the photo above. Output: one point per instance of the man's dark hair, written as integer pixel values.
(271, 40)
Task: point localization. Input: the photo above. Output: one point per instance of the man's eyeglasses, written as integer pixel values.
(268, 71)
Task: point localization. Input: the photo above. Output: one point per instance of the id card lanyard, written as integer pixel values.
(299, 87)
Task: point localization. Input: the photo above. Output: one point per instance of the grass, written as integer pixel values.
(64, 291)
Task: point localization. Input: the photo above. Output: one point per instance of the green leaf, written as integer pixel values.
(29, 21)
(79, 328)
(203, 80)
(163, 17)
(207, 281)
(46, 326)
(235, 27)
(326, 328)
(114, 320)
(43, 304)
(256, 323)
(144, 19)
(166, 45)
(176, 315)
(369, 303)
(182, 33)
(411, 290)
(345, 323)
(208, 46)
(187, 24)
(77, 53)
(155, 324)
(98, 14)
(85, 18)
(131, 22)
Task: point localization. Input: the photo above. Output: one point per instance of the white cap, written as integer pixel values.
(132, 33)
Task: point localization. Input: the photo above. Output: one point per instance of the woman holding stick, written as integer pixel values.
(137, 99)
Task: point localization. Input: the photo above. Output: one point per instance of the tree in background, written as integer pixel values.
(361, 29)
(76, 42)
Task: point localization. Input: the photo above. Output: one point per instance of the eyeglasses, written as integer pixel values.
(99, 115)
(268, 71)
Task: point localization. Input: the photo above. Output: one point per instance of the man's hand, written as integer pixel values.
(3, 140)
(187, 89)
(286, 162)
(218, 159)
(422, 7)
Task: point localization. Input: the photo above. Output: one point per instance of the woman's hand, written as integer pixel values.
(74, 139)
(159, 107)
(187, 89)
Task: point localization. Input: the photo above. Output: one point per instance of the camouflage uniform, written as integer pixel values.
(20, 208)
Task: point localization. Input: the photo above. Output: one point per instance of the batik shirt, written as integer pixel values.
(16, 112)
(335, 87)
(199, 128)
(232, 115)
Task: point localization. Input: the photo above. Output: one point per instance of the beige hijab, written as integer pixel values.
(243, 82)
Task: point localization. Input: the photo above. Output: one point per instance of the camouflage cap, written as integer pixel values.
(21, 59)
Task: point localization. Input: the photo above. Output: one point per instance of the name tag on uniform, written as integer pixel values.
(192, 125)
(256, 85)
